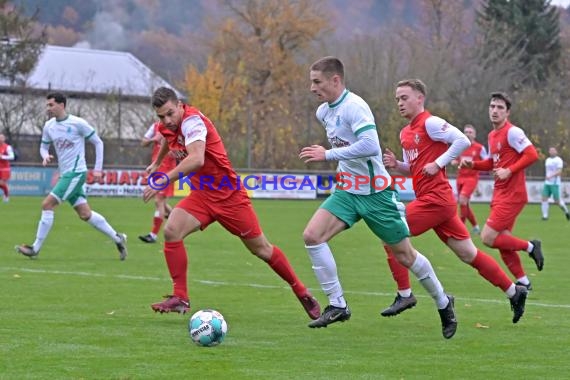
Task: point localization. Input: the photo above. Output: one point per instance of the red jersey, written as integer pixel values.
(168, 163)
(505, 147)
(419, 150)
(475, 152)
(5, 150)
(216, 178)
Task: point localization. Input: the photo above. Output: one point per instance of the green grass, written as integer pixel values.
(77, 312)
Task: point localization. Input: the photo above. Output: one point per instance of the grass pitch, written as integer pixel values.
(77, 312)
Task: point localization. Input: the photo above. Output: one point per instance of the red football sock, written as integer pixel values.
(399, 272)
(280, 265)
(471, 216)
(177, 261)
(509, 243)
(513, 261)
(4, 188)
(156, 223)
(463, 212)
(491, 271)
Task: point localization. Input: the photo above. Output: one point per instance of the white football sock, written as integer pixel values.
(544, 208)
(44, 226)
(324, 267)
(563, 206)
(99, 222)
(424, 272)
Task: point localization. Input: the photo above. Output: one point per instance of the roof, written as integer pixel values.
(92, 71)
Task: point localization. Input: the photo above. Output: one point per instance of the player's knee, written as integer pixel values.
(84, 215)
(47, 205)
(171, 233)
(488, 239)
(311, 237)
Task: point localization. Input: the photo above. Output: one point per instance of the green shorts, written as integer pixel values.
(382, 212)
(70, 187)
(551, 190)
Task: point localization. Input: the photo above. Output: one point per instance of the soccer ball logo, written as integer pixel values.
(207, 328)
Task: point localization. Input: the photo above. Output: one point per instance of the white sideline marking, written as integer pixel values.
(225, 283)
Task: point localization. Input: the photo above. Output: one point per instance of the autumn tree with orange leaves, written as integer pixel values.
(255, 85)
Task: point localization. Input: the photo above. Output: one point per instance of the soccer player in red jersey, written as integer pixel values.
(216, 196)
(511, 152)
(162, 208)
(429, 144)
(6, 155)
(467, 179)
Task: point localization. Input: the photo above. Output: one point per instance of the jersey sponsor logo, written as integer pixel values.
(337, 142)
(63, 144)
(411, 154)
(179, 155)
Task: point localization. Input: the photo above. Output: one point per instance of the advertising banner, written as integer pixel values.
(32, 180)
(38, 181)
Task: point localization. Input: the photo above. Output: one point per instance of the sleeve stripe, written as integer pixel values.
(46, 142)
(365, 128)
(91, 134)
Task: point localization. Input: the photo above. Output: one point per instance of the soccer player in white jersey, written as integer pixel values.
(68, 134)
(363, 194)
(552, 183)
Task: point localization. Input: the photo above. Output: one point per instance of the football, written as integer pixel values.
(207, 328)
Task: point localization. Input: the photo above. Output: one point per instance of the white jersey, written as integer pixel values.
(553, 165)
(344, 120)
(68, 137)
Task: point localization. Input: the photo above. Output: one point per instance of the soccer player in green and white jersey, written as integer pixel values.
(68, 134)
(552, 182)
(364, 194)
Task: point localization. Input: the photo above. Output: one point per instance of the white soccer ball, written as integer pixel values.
(207, 327)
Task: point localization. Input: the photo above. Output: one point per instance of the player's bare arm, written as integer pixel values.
(191, 163)
(391, 162)
(194, 161)
(161, 154)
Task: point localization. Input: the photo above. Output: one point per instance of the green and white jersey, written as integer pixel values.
(552, 165)
(345, 120)
(68, 137)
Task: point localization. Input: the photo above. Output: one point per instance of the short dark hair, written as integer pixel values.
(58, 97)
(162, 95)
(415, 84)
(502, 96)
(329, 66)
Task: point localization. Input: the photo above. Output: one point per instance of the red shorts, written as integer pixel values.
(423, 216)
(4, 175)
(466, 186)
(235, 214)
(503, 215)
